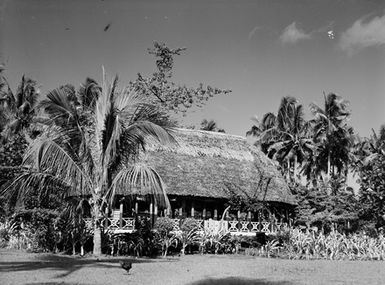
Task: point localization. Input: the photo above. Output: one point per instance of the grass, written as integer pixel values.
(18, 267)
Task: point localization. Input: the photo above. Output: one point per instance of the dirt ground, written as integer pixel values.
(17, 267)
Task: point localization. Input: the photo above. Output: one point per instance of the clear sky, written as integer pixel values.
(260, 49)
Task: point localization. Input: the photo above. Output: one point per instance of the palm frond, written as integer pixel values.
(103, 106)
(139, 179)
(20, 188)
(89, 93)
(138, 132)
(45, 155)
(59, 107)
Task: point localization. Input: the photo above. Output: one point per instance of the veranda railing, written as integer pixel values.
(122, 225)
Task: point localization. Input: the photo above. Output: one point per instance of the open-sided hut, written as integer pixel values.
(205, 170)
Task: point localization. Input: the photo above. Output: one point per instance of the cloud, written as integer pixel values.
(251, 34)
(291, 34)
(362, 35)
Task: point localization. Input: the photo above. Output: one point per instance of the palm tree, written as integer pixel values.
(285, 136)
(210, 126)
(262, 130)
(368, 149)
(292, 141)
(17, 115)
(331, 134)
(93, 149)
(17, 109)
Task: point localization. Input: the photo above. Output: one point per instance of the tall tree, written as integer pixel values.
(19, 108)
(292, 141)
(17, 113)
(370, 165)
(92, 149)
(260, 131)
(285, 137)
(332, 134)
(173, 97)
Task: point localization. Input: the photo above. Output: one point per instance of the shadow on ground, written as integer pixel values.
(239, 281)
(53, 283)
(67, 264)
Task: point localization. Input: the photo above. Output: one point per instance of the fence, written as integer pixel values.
(123, 225)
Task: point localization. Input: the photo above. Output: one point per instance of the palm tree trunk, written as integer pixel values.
(295, 168)
(97, 239)
(329, 164)
(97, 250)
(288, 171)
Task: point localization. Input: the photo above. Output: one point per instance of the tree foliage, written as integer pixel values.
(371, 169)
(329, 205)
(211, 126)
(173, 97)
(285, 137)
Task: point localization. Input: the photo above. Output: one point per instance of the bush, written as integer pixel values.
(33, 230)
(335, 246)
(166, 234)
(5, 229)
(189, 234)
(189, 224)
(142, 242)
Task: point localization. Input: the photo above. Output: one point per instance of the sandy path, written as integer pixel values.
(24, 268)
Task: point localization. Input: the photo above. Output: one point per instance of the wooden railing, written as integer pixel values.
(239, 227)
(127, 225)
(122, 225)
(246, 227)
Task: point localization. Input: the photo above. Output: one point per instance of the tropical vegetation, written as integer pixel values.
(65, 156)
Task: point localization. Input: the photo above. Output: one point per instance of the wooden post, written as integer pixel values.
(156, 210)
(204, 213)
(239, 214)
(106, 219)
(136, 207)
(215, 214)
(151, 213)
(180, 212)
(192, 210)
(249, 216)
(184, 208)
(286, 215)
(121, 214)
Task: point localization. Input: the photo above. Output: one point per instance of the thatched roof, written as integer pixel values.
(210, 164)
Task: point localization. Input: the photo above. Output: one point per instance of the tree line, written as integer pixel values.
(316, 155)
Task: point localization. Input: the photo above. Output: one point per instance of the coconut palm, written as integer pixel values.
(210, 126)
(17, 109)
(263, 131)
(366, 150)
(331, 134)
(92, 149)
(17, 114)
(292, 141)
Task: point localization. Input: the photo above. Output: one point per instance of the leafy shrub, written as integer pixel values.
(189, 224)
(33, 230)
(335, 246)
(5, 229)
(217, 243)
(189, 233)
(166, 234)
(142, 242)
